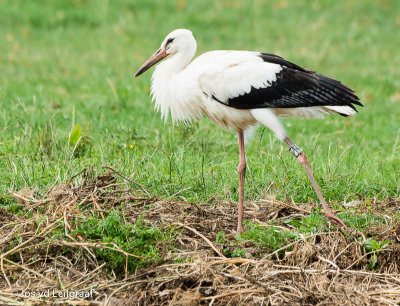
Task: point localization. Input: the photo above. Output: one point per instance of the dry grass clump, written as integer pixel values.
(41, 250)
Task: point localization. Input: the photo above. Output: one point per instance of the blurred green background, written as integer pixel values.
(64, 63)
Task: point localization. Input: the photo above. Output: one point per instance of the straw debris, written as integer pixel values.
(41, 252)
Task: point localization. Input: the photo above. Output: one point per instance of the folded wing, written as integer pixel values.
(250, 80)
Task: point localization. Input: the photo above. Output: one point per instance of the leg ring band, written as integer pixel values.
(295, 150)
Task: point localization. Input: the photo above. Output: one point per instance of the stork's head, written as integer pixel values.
(179, 41)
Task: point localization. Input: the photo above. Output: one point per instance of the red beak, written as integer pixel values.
(154, 59)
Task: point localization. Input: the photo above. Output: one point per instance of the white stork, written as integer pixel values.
(238, 90)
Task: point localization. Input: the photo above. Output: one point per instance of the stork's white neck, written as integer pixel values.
(166, 88)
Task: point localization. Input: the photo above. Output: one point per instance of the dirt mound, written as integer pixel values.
(41, 252)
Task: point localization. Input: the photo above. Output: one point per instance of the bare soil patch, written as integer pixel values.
(327, 267)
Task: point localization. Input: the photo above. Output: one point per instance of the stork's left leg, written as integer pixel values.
(296, 151)
(242, 173)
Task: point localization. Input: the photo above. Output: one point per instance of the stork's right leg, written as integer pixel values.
(301, 157)
(270, 120)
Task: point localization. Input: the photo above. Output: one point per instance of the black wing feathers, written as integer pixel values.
(272, 58)
(295, 87)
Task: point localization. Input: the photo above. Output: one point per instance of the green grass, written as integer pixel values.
(138, 239)
(65, 63)
(271, 238)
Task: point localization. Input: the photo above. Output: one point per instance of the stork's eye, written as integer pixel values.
(169, 41)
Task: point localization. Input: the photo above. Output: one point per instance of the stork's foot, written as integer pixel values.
(232, 233)
(240, 229)
(330, 215)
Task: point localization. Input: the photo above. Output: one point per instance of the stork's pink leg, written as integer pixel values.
(301, 157)
(242, 173)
